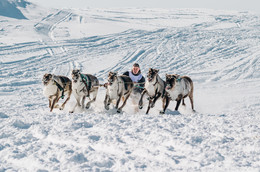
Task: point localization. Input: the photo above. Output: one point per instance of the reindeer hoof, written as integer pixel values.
(119, 111)
(162, 112)
(71, 111)
(87, 107)
(107, 107)
(140, 107)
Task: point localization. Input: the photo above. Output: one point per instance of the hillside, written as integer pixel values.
(10, 8)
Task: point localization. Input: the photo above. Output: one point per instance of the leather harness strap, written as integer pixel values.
(86, 81)
(60, 88)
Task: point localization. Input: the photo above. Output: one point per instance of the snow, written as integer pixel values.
(11, 8)
(219, 50)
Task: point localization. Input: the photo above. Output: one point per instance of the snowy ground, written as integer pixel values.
(219, 50)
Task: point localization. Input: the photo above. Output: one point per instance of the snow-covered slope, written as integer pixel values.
(219, 50)
(10, 8)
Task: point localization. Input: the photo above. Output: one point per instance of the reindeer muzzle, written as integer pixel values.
(45, 81)
(168, 87)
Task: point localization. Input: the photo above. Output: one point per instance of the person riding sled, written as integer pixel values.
(137, 78)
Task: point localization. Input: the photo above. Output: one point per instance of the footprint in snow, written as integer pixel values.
(21, 125)
(3, 115)
(77, 126)
(94, 138)
(79, 158)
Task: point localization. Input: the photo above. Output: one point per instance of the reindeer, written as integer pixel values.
(84, 85)
(55, 87)
(178, 88)
(117, 87)
(154, 88)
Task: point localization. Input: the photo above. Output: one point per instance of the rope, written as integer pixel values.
(104, 85)
(138, 86)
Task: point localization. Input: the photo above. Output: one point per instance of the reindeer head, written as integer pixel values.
(75, 74)
(152, 73)
(170, 81)
(47, 78)
(111, 77)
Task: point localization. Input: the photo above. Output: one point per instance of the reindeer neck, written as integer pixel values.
(155, 80)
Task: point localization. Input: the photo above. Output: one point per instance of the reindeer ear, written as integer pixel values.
(156, 70)
(75, 71)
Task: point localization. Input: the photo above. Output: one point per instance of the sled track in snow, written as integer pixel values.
(178, 50)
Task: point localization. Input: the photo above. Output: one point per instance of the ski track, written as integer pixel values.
(96, 140)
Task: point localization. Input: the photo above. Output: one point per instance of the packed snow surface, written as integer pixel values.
(218, 50)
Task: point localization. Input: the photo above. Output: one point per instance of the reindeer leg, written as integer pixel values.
(89, 103)
(149, 106)
(83, 101)
(107, 102)
(49, 102)
(57, 105)
(119, 110)
(166, 102)
(141, 99)
(155, 99)
(77, 104)
(93, 99)
(178, 102)
(191, 102)
(183, 102)
(118, 101)
(54, 101)
(63, 105)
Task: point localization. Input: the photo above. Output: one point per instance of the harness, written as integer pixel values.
(86, 81)
(178, 79)
(60, 88)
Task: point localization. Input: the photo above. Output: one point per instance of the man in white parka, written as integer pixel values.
(137, 78)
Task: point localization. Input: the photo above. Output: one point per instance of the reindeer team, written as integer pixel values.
(118, 87)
